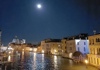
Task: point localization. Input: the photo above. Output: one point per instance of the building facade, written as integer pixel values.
(94, 47)
(76, 43)
(51, 46)
(64, 45)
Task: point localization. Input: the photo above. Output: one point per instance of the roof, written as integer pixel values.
(79, 36)
(95, 34)
(52, 40)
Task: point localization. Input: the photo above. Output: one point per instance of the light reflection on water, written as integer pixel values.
(55, 61)
(9, 58)
(34, 61)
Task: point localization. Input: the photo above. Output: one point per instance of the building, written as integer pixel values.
(3, 48)
(51, 46)
(75, 43)
(64, 44)
(94, 47)
(18, 41)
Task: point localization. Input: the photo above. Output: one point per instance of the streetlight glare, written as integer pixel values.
(86, 61)
(39, 6)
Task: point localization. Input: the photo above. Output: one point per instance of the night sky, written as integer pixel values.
(56, 19)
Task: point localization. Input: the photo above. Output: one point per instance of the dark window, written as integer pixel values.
(84, 43)
(84, 49)
(65, 47)
(98, 39)
(90, 42)
(70, 48)
(78, 49)
(77, 43)
(93, 41)
(99, 50)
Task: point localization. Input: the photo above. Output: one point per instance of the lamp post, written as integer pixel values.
(86, 61)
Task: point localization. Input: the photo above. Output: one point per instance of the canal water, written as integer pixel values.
(34, 61)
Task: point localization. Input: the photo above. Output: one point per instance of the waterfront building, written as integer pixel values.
(51, 46)
(94, 47)
(64, 45)
(75, 43)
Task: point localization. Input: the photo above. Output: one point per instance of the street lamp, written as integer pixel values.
(86, 61)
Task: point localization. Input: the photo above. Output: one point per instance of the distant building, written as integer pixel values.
(3, 48)
(94, 47)
(51, 46)
(18, 41)
(72, 44)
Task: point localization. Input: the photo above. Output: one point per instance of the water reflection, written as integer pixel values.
(9, 58)
(22, 56)
(42, 61)
(55, 62)
(34, 61)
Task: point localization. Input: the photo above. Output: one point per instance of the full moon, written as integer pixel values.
(39, 6)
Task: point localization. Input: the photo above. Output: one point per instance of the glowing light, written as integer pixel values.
(9, 52)
(86, 61)
(39, 6)
(55, 51)
(55, 61)
(10, 48)
(30, 49)
(70, 55)
(35, 49)
(9, 58)
(42, 51)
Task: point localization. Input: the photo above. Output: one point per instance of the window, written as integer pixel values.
(90, 42)
(65, 47)
(93, 41)
(84, 43)
(96, 40)
(84, 49)
(78, 49)
(77, 43)
(99, 40)
(70, 48)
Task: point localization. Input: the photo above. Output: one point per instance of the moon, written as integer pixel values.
(39, 6)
